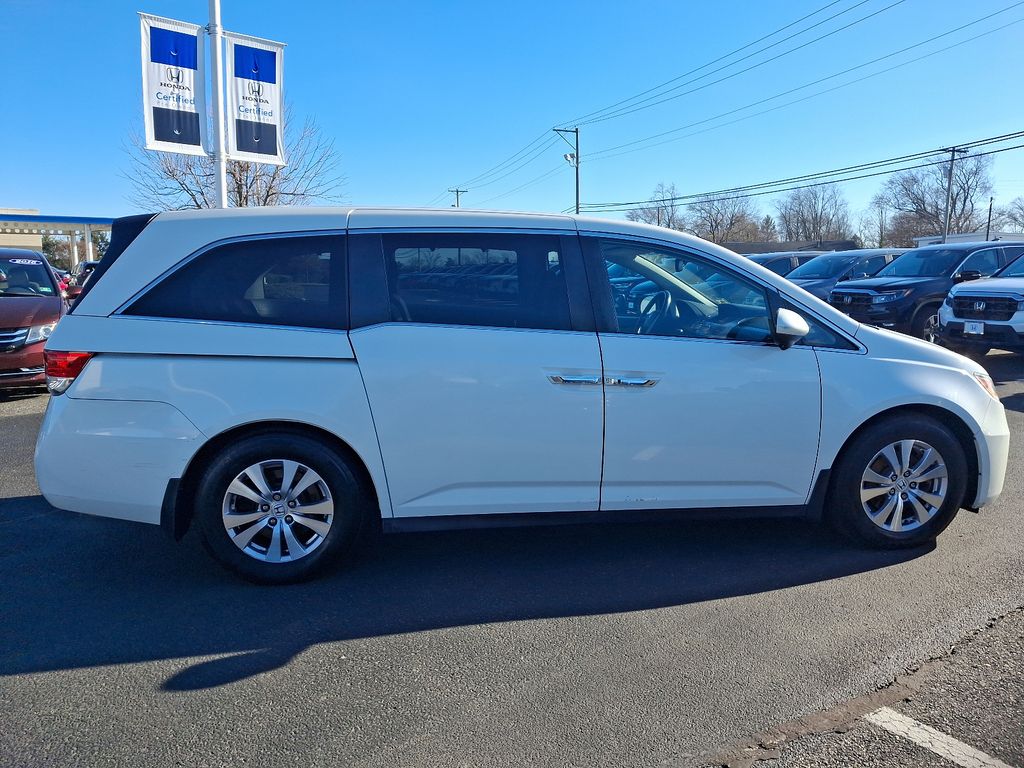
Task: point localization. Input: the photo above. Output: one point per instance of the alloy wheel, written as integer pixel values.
(277, 511)
(904, 486)
(931, 329)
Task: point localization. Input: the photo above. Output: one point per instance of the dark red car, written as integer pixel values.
(30, 306)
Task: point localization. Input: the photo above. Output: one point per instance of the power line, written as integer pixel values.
(604, 153)
(511, 160)
(720, 58)
(596, 207)
(654, 101)
(523, 186)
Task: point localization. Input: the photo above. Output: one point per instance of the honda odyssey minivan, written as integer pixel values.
(284, 379)
(30, 306)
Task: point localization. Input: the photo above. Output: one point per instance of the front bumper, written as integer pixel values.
(998, 335)
(896, 316)
(993, 453)
(23, 367)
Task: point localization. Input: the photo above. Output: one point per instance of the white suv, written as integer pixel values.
(283, 379)
(983, 314)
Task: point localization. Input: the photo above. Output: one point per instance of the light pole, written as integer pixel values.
(573, 158)
(220, 160)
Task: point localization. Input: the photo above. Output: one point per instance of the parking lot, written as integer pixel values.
(612, 645)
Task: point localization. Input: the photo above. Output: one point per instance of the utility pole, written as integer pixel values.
(573, 158)
(988, 227)
(949, 190)
(458, 195)
(220, 159)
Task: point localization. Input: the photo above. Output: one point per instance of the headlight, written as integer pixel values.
(889, 296)
(948, 301)
(986, 383)
(1020, 307)
(39, 333)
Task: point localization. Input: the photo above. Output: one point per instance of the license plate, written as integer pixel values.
(974, 329)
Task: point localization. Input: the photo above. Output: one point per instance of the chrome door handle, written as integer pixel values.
(585, 380)
(631, 382)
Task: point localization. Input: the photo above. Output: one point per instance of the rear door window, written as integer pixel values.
(477, 279)
(290, 281)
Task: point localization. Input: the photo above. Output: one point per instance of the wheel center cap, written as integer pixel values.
(901, 484)
(277, 508)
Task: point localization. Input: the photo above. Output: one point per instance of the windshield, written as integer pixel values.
(1015, 269)
(822, 266)
(923, 263)
(25, 277)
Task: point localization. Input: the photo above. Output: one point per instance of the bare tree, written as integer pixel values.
(723, 219)
(814, 213)
(920, 194)
(662, 210)
(1013, 215)
(166, 180)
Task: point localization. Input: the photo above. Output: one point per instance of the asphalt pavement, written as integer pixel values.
(613, 645)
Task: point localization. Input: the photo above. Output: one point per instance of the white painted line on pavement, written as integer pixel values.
(938, 742)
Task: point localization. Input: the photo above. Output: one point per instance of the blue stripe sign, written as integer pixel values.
(255, 100)
(173, 85)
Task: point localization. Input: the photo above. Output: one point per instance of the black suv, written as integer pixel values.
(906, 294)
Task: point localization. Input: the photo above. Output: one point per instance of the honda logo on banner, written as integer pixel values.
(255, 127)
(173, 85)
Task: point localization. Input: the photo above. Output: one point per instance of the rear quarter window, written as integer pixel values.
(291, 281)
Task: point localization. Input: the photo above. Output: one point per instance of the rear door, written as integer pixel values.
(702, 408)
(482, 369)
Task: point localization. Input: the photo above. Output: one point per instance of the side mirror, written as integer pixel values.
(968, 274)
(789, 328)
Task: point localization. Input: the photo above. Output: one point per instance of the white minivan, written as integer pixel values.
(284, 379)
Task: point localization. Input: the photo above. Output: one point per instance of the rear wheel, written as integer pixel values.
(280, 508)
(899, 483)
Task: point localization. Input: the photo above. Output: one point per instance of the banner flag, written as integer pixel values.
(173, 85)
(255, 99)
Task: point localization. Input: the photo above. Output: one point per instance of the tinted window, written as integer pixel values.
(924, 262)
(870, 265)
(25, 275)
(482, 279)
(986, 261)
(1016, 268)
(779, 266)
(296, 281)
(701, 300)
(830, 265)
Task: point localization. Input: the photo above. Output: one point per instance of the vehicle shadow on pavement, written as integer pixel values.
(83, 591)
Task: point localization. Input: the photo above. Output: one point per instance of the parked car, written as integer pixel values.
(79, 276)
(783, 262)
(30, 306)
(821, 274)
(985, 314)
(906, 295)
(284, 378)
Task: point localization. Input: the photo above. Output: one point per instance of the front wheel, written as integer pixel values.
(926, 324)
(899, 483)
(279, 508)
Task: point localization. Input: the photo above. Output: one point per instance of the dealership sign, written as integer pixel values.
(173, 86)
(255, 104)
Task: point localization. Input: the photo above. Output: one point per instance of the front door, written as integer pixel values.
(703, 409)
(485, 395)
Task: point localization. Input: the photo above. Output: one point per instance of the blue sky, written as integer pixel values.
(420, 96)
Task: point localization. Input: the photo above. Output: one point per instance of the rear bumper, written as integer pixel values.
(23, 367)
(112, 458)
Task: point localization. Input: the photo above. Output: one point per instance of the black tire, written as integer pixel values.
(352, 507)
(926, 323)
(844, 509)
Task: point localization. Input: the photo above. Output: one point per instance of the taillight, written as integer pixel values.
(62, 368)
